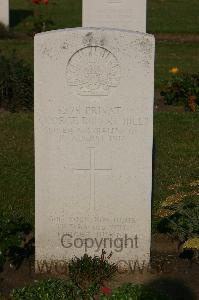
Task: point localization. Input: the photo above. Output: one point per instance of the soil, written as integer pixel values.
(160, 106)
(178, 37)
(178, 277)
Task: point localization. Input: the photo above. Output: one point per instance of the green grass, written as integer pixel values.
(17, 165)
(168, 54)
(163, 15)
(176, 158)
(173, 16)
(23, 48)
(176, 152)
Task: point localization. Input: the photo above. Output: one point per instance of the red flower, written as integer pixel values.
(106, 290)
(36, 1)
(39, 1)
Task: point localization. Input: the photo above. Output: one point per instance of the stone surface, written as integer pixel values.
(4, 12)
(93, 143)
(120, 14)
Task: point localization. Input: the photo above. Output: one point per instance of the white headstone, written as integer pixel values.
(4, 12)
(93, 143)
(122, 14)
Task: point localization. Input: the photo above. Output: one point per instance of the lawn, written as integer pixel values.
(163, 15)
(176, 149)
(173, 16)
(17, 165)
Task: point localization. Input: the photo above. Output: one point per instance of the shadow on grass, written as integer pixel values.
(174, 288)
(18, 15)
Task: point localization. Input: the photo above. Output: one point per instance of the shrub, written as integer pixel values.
(42, 24)
(135, 292)
(191, 245)
(179, 216)
(58, 289)
(16, 84)
(89, 273)
(13, 244)
(4, 32)
(55, 289)
(182, 89)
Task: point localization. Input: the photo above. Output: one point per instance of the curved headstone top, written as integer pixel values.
(93, 143)
(93, 28)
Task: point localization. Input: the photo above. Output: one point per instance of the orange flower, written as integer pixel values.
(174, 70)
(192, 103)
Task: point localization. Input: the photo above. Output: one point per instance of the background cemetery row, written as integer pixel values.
(166, 18)
(176, 143)
(175, 135)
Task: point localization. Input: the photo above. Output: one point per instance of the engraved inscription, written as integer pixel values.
(86, 124)
(93, 70)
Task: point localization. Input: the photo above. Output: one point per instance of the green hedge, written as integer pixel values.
(51, 289)
(16, 84)
(57, 289)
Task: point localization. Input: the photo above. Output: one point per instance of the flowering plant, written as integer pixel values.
(182, 88)
(40, 22)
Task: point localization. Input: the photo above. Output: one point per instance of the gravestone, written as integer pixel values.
(122, 14)
(4, 12)
(93, 143)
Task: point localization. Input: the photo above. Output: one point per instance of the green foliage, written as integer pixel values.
(89, 273)
(58, 289)
(63, 14)
(51, 289)
(16, 84)
(135, 292)
(180, 88)
(86, 276)
(41, 24)
(4, 32)
(181, 220)
(13, 244)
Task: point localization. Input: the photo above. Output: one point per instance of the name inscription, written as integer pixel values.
(98, 124)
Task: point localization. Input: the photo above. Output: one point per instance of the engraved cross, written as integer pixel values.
(92, 173)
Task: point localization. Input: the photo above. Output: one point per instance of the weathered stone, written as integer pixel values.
(93, 143)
